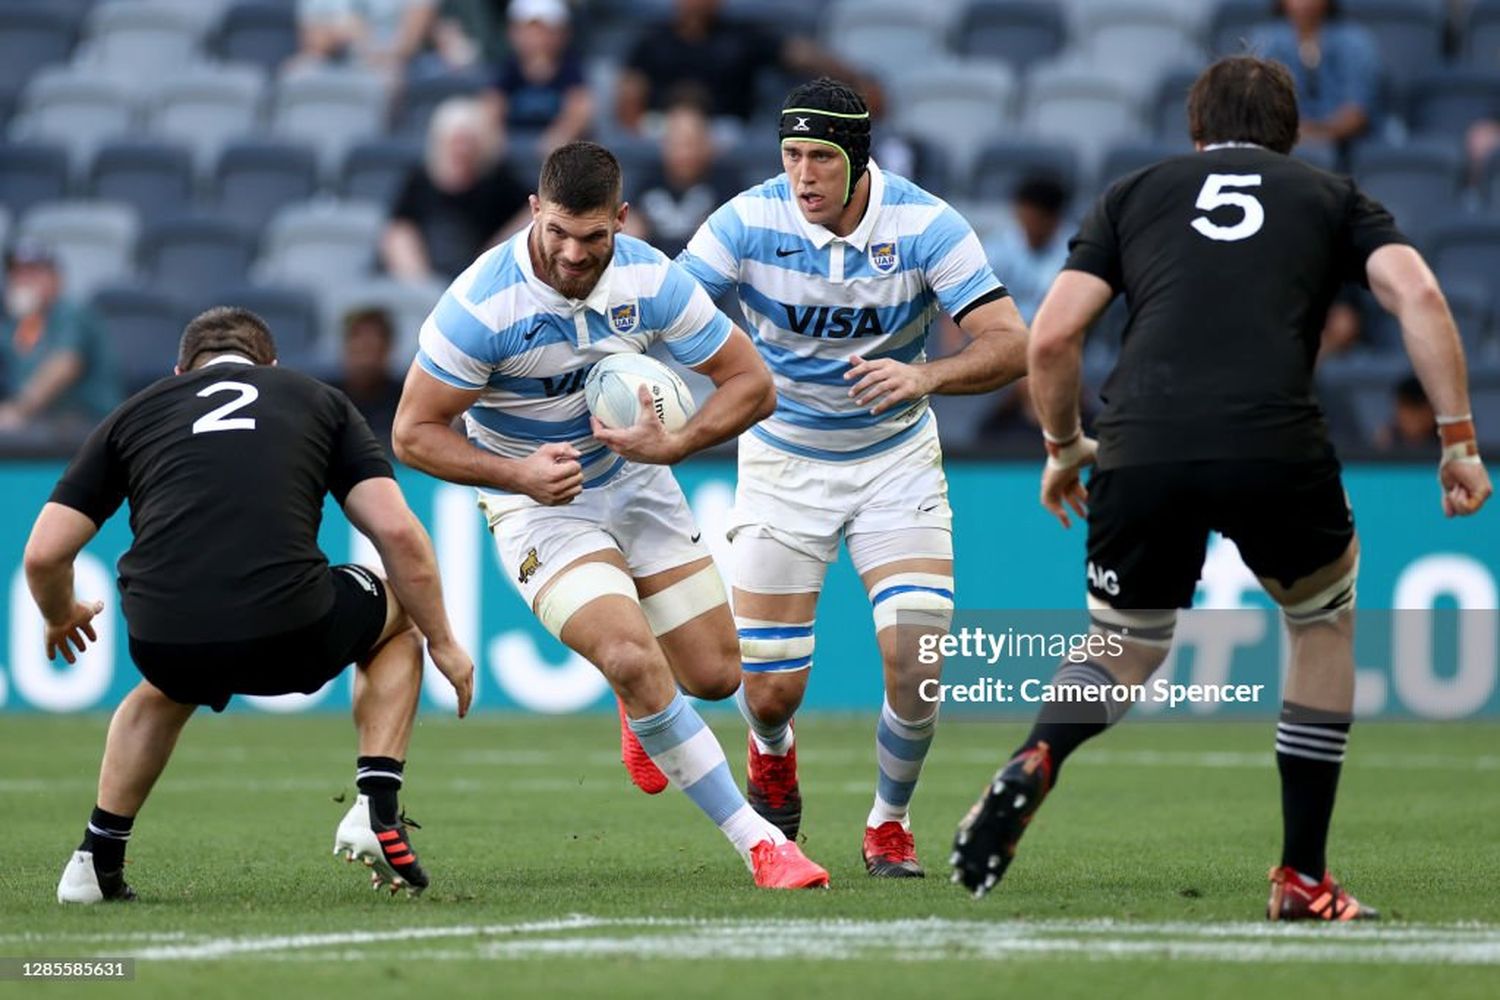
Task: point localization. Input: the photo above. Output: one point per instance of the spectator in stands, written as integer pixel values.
(1335, 64)
(1412, 429)
(381, 35)
(540, 89)
(366, 379)
(1343, 328)
(58, 366)
(699, 54)
(459, 202)
(1028, 254)
(687, 185)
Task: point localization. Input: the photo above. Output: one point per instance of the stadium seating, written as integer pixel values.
(1233, 24)
(956, 104)
(375, 169)
(93, 240)
(1481, 34)
(407, 303)
(315, 244)
(154, 178)
(330, 108)
(416, 102)
(1409, 34)
(291, 313)
(1416, 182)
(1168, 107)
(1003, 162)
(1447, 102)
(121, 38)
(254, 179)
(32, 172)
(207, 109)
(1071, 103)
(32, 35)
(1016, 32)
(258, 32)
(1465, 249)
(1129, 157)
(186, 254)
(76, 108)
(879, 34)
(144, 328)
(1136, 42)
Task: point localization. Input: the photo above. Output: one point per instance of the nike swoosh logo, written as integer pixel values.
(787, 253)
(530, 333)
(926, 509)
(695, 538)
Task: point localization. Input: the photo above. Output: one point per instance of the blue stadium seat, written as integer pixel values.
(1409, 34)
(880, 34)
(255, 179)
(785, 17)
(31, 173)
(1481, 34)
(1135, 41)
(1128, 157)
(208, 108)
(1465, 249)
(77, 108)
(1417, 182)
(408, 304)
(31, 36)
(144, 328)
(1233, 24)
(94, 241)
(291, 313)
(1074, 104)
(1168, 110)
(375, 169)
(123, 38)
(315, 244)
(1002, 163)
(257, 32)
(182, 256)
(156, 179)
(419, 98)
(329, 108)
(956, 105)
(1489, 181)
(1446, 103)
(1017, 32)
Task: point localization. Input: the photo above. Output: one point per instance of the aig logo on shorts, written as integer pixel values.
(624, 317)
(529, 566)
(1106, 580)
(883, 257)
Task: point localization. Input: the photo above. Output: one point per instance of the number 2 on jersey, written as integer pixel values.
(215, 419)
(1214, 196)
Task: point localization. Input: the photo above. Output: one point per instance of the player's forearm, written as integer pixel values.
(994, 359)
(1436, 352)
(412, 570)
(1056, 368)
(445, 454)
(51, 584)
(736, 404)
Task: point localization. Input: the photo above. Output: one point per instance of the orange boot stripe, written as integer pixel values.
(1321, 903)
(385, 835)
(405, 859)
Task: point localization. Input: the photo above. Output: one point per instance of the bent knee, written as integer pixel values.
(629, 663)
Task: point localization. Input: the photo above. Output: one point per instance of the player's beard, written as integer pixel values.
(577, 285)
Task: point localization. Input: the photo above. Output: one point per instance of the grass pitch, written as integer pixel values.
(1143, 875)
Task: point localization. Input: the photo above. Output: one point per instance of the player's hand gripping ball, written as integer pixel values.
(613, 392)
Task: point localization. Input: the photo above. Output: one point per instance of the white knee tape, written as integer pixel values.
(1149, 628)
(579, 586)
(684, 600)
(1327, 603)
(924, 599)
(768, 647)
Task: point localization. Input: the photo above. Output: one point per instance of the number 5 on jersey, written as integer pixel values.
(215, 419)
(1214, 196)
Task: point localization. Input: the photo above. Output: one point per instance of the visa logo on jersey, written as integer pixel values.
(833, 321)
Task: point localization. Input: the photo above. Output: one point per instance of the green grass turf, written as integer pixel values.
(528, 819)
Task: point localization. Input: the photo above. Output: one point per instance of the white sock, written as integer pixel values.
(745, 828)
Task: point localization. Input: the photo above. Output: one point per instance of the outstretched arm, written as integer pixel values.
(60, 533)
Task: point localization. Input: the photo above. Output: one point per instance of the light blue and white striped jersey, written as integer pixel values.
(501, 329)
(815, 299)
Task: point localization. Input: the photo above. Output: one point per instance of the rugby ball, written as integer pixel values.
(612, 391)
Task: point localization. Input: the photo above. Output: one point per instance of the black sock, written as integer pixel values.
(1309, 755)
(379, 778)
(1064, 725)
(106, 836)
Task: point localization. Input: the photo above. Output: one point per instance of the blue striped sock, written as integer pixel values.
(690, 756)
(900, 749)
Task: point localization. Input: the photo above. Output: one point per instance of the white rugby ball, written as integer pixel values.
(612, 391)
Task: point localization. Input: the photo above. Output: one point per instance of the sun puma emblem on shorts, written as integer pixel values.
(529, 565)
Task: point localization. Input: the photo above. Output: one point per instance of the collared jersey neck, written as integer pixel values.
(1232, 145)
(821, 236)
(228, 359)
(597, 300)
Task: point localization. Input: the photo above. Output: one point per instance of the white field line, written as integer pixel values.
(933, 939)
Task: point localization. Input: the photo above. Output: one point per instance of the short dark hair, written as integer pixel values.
(580, 177)
(1045, 191)
(226, 330)
(373, 316)
(1244, 99)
